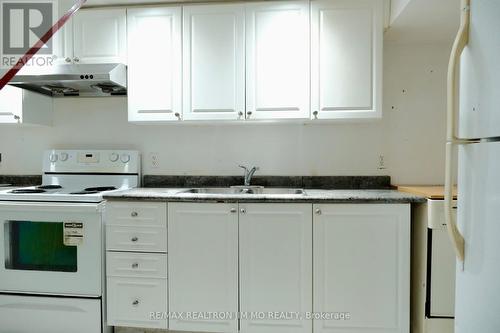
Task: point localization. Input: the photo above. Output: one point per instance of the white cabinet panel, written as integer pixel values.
(362, 267)
(203, 264)
(100, 36)
(11, 104)
(275, 265)
(130, 302)
(277, 60)
(18, 106)
(214, 61)
(346, 64)
(154, 64)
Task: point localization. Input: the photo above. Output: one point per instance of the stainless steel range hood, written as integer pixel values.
(84, 80)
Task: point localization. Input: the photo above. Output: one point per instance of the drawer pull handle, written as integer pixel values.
(233, 210)
(135, 302)
(134, 239)
(134, 214)
(135, 265)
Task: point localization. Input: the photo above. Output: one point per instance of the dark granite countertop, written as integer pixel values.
(312, 196)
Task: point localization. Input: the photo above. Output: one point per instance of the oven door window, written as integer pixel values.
(38, 246)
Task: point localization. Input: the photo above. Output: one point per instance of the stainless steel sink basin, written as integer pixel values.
(252, 190)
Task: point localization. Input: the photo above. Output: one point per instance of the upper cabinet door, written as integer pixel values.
(277, 60)
(154, 64)
(346, 50)
(214, 62)
(11, 105)
(100, 36)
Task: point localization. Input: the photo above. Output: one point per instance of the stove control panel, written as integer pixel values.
(92, 161)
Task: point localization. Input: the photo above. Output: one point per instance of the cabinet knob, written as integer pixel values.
(240, 114)
(178, 115)
(76, 59)
(135, 265)
(16, 117)
(233, 210)
(134, 239)
(134, 214)
(318, 211)
(243, 210)
(315, 114)
(135, 302)
(67, 59)
(249, 113)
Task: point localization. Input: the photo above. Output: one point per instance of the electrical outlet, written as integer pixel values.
(381, 162)
(154, 161)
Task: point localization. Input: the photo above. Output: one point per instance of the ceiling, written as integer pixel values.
(425, 21)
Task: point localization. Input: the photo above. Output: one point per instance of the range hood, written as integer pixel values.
(84, 80)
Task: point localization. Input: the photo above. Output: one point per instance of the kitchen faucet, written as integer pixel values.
(248, 174)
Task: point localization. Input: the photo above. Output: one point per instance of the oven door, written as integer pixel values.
(51, 248)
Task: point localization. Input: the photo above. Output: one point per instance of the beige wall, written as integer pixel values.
(410, 136)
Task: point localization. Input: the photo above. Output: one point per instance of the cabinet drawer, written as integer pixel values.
(131, 300)
(121, 238)
(129, 264)
(435, 211)
(146, 214)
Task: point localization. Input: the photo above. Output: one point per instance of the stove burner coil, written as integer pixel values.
(27, 191)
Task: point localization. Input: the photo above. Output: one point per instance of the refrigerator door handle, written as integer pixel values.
(459, 44)
(456, 238)
(461, 41)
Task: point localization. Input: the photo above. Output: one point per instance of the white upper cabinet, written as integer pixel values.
(154, 64)
(18, 106)
(100, 36)
(275, 266)
(214, 62)
(362, 267)
(346, 58)
(203, 265)
(277, 39)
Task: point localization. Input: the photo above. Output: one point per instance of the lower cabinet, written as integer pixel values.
(275, 267)
(284, 267)
(361, 268)
(203, 266)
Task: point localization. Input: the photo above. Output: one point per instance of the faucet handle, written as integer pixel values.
(243, 167)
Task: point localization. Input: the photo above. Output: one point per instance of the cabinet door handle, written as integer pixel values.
(233, 210)
(135, 302)
(178, 115)
(67, 59)
(243, 210)
(240, 114)
(76, 59)
(318, 211)
(249, 113)
(135, 265)
(315, 114)
(134, 239)
(134, 214)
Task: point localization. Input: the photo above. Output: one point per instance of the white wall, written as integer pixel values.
(410, 136)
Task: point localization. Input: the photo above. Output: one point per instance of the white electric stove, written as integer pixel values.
(80, 176)
(52, 242)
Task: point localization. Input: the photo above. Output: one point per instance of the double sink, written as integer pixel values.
(245, 190)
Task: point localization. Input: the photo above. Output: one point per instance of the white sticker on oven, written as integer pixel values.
(73, 233)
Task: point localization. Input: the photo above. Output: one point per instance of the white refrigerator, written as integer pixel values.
(474, 127)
